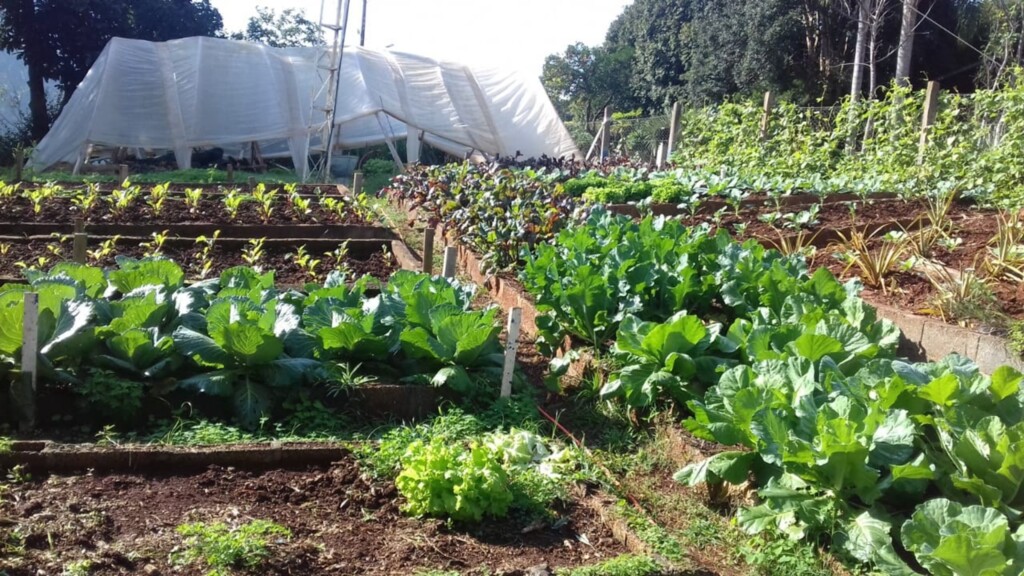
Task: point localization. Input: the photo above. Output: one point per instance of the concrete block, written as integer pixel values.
(940, 339)
(993, 352)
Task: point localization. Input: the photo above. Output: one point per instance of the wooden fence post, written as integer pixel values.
(515, 320)
(231, 172)
(81, 239)
(428, 250)
(451, 255)
(357, 182)
(931, 109)
(606, 132)
(673, 129)
(659, 157)
(122, 173)
(23, 392)
(252, 183)
(766, 113)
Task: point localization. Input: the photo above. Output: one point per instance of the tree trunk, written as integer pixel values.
(858, 51)
(906, 47)
(877, 17)
(37, 99)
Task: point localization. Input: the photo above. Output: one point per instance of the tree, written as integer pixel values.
(1004, 21)
(878, 13)
(906, 45)
(290, 28)
(738, 47)
(808, 51)
(60, 39)
(859, 48)
(584, 80)
(651, 29)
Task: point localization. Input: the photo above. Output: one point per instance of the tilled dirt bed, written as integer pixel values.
(280, 259)
(912, 291)
(341, 522)
(869, 214)
(210, 210)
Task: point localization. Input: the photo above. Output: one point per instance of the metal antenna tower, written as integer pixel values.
(328, 61)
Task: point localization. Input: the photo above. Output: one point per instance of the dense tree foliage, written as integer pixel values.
(706, 51)
(287, 29)
(60, 39)
(738, 32)
(586, 79)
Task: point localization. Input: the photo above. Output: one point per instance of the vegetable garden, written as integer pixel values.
(708, 376)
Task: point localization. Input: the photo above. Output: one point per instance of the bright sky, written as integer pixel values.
(516, 34)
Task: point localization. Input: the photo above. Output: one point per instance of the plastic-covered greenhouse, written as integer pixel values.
(200, 92)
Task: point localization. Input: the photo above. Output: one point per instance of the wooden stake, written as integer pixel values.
(515, 320)
(673, 128)
(23, 393)
(231, 172)
(81, 240)
(606, 132)
(451, 255)
(252, 183)
(357, 183)
(931, 109)
(19, 164)
(593, 145)
(659, 158)
(428, 251)
(766, 114)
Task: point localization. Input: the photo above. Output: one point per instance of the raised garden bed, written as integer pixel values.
(178, 188)
(372, 257)
(755, 201)
(62, 211)
(192, 230)
(925, 337)
(341, 522)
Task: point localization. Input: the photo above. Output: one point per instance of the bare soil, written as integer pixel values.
(859, 214)
(341, 522)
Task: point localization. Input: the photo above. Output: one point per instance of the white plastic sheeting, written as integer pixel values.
(212, 92)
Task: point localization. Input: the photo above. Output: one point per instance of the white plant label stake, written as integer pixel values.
(451, 254)
(515, 320)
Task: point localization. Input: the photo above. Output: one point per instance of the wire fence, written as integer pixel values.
(898, 116)
(632, 137)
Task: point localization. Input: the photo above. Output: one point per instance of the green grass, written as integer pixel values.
(680, 526)
(78, 568)
(398, 220)
(625, 565)
(374, 183)
(221, 547)
(780, 556)
(658, 538)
